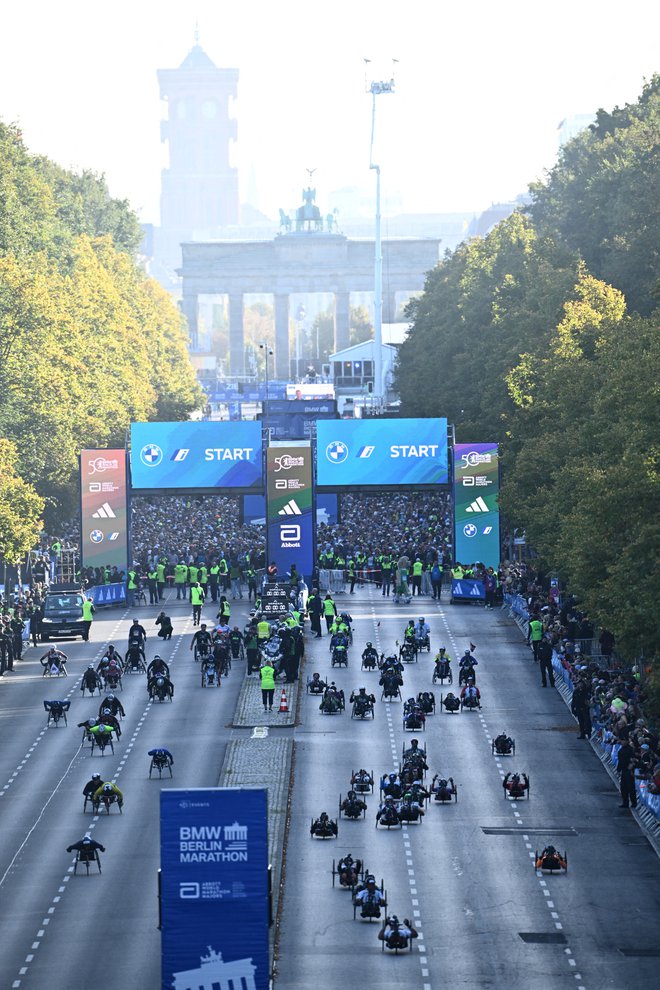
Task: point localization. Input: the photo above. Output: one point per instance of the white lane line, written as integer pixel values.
(39, 817)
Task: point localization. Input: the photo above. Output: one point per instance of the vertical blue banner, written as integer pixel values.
(214, 889)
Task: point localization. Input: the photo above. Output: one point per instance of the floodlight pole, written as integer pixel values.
(376, 89)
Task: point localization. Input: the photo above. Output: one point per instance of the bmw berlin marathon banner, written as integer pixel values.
(290, 519)
(202, 456)
(214, 889)
(381, 452)
(476, 509)
(103, 504)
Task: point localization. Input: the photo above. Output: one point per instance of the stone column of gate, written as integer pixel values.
(389, 307)
(189, 310)
(282, 336)
(342, 320)
(236, 335)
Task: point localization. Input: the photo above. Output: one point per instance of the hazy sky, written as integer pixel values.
(480, 88)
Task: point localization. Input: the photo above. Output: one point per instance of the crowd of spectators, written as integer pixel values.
(414, 525)
(608, 697)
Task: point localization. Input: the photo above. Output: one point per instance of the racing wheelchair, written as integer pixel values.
(56, 710)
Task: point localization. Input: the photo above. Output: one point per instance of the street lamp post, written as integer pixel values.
(377, 89)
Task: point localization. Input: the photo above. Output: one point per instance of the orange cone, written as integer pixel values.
(284, 705)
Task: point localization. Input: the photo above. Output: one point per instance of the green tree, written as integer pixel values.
(491, 300)
(20, 508)
(602, 198)
(361, 325)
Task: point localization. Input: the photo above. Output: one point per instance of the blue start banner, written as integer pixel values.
(192, 455)
(381, 452)
(214, 889)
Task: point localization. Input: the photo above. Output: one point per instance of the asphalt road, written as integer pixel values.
(66, 932)
(466, 876)
(485, 918)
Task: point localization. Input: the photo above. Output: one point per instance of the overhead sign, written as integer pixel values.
(104, 511)
(214, 888)
(311, 407)
(194, 455)
(318, 390)
(381, 452)
(290, 519)
(476, 506)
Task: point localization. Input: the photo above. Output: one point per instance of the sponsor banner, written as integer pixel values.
(104, 509)
(214, 888)
(290, 519)
(107, 594)
(381, 452)
(468, 588)
(254, 509)
(476, 503)
(196, 455)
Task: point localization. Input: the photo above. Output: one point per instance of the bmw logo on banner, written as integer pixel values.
(196, 456)
(336, 452)
(96, 536)
(393, 453)
(151, 455)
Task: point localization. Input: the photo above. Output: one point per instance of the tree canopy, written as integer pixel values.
(543, 335)
(88, 342)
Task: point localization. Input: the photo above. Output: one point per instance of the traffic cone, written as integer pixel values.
(284, 705)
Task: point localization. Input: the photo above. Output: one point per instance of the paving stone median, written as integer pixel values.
(265, 762)
(250, 709)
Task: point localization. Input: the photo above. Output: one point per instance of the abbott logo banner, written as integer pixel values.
(289, 493)
(214, 888)
(381, 452)
(194, 456)
(103, 509)
(476, 510)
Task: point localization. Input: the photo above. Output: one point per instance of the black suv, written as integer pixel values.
(63, 612)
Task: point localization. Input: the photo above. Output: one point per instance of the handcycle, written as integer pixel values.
(348, 872)
(426, 701)
(442, 671)
(362, 782)
(362, 709)
(354, 811)
(450, 703)
(369, 899)
(503, 745)
(408, 652)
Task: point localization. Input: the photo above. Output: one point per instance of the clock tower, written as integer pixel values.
(199, 190)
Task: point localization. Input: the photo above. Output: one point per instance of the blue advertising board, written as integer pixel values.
(381, 452)
(214, 888)
(196, 455)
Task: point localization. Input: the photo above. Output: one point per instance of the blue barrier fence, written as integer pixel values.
(518, 608)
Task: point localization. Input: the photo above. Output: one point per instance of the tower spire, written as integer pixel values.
(196, 32)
